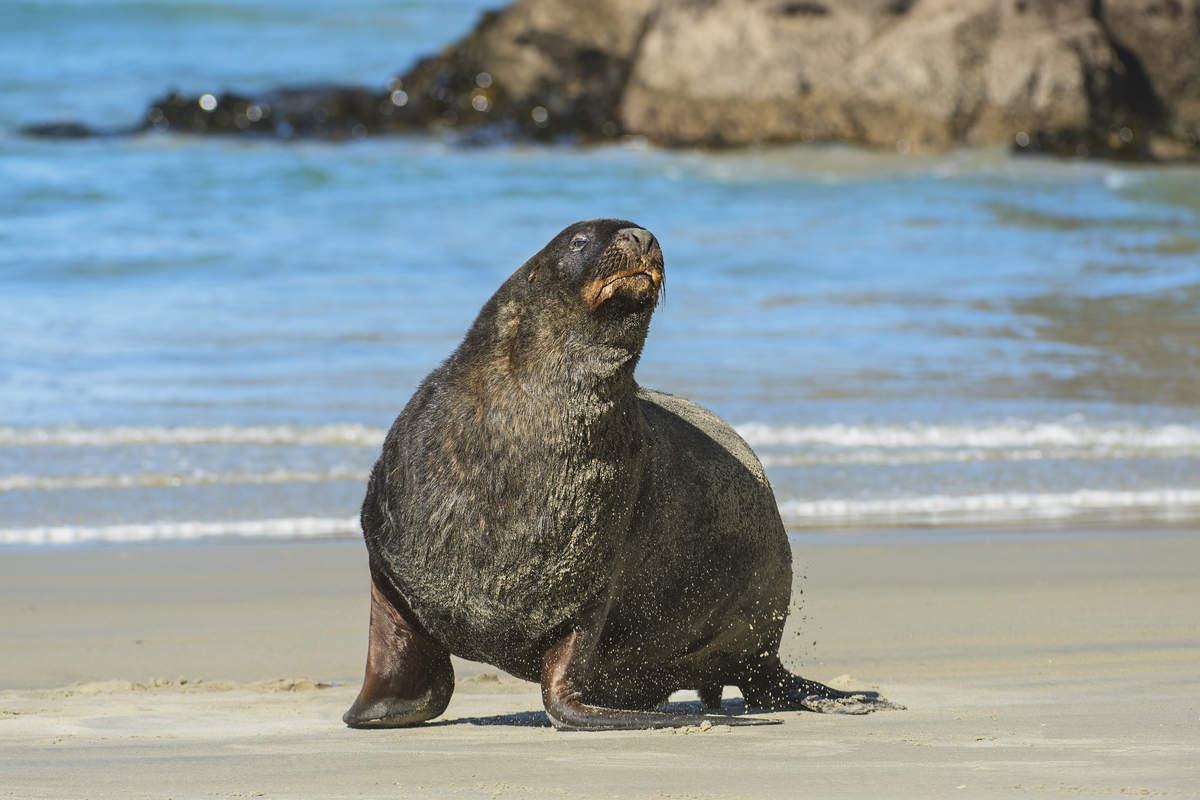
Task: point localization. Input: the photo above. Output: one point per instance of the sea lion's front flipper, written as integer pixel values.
(564, 704)
(409, 678)
(771, 687)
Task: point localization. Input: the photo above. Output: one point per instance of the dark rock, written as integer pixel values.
(538, 68)
(63, 129)
(1159, 41)
(331, 112)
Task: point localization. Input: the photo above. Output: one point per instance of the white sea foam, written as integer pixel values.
(9, 483)
(1153, 504)
(349, 435)
(779, 445)
(1122, 437)
(894, 456)
(295, 528)
(1117, 437)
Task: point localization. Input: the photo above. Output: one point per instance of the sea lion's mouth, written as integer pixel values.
(643, 279)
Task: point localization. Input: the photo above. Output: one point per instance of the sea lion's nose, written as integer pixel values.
(641, 238)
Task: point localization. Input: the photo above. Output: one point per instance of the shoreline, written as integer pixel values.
(1029, 665)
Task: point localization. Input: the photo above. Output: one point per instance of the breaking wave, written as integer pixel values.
(9, 483)
(1005, 485)
(1149, 504)
(297, 528)
(836, 443)
(346, 435)
(1118, 439)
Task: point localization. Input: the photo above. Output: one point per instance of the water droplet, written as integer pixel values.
(207, 102)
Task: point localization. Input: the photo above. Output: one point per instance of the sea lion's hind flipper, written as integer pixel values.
(710, 695)
(771, 687)
(567, 711)
(408, 679)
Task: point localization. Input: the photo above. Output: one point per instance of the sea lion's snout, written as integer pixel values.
(634, 268)
(638, 238)
(640, 245)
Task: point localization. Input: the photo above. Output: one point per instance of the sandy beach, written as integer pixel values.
(1057, 664)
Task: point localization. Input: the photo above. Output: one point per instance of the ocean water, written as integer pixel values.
(208, 338)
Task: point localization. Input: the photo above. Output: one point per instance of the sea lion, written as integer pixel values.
(535, 509)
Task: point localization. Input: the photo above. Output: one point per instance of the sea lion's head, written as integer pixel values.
(613, 266)
(575, 313)
(584, 301)
(621, 268)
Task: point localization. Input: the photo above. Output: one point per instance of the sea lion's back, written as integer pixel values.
(711, 485)
(661, 407)
(707, 543)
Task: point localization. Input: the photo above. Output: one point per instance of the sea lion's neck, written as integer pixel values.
(549, 389)
(574, 371)
(580, 385)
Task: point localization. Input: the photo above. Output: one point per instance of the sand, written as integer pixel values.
(1057, 664)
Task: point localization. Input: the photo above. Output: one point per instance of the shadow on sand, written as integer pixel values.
(733, 712)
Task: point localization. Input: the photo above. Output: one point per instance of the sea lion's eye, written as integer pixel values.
(578, 242)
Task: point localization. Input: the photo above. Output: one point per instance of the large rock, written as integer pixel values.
(924, 75)
(983, 72)
(730, 72)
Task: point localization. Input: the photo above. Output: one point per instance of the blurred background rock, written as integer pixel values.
(1091, 78)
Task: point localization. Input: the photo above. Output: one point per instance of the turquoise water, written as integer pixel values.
(208, 337)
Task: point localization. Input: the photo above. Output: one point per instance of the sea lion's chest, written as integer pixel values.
(502, 534)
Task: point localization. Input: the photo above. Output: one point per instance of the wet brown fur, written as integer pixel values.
(535, 509)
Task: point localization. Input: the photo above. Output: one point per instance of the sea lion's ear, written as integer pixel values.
(533, 265)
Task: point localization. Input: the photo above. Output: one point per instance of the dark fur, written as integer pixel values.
(530, 489)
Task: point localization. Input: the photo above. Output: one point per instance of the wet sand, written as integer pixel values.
(1062, 664)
